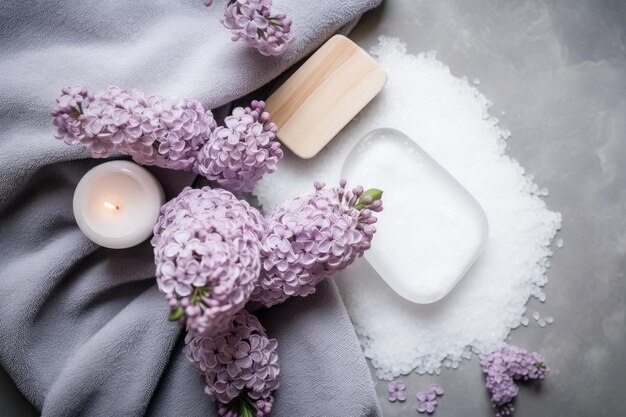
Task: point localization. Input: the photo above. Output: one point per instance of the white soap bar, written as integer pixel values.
(431, 229)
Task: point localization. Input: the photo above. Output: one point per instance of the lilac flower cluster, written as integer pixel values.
(252, 21)
(241, 152)
(207, 252)
(311, 237)
(427, 400)
(240, 366)
(154, 130)
(505, 366)
(396, 391)
(170, 133)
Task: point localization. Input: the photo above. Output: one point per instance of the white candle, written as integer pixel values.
(116, 204)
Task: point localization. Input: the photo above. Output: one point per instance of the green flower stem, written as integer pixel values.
(198, 294)
(242, 405)
(76, 111)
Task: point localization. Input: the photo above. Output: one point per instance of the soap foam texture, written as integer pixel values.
(449, 118)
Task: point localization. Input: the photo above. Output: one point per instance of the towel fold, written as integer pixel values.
(83, 329)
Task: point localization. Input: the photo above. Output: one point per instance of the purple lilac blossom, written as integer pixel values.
(207, 252)
(240, 366)
(311, 237)
(505, 366)
(396, 391)
(252, 21)
(170, 133)
(241, 152)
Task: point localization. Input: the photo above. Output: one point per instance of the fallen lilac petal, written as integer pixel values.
(436, 389)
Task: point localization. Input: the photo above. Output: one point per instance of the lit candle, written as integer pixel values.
(116, 204)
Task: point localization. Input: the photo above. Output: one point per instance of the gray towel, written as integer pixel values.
(83, 330)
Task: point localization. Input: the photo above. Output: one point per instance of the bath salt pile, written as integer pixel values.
(449, 119)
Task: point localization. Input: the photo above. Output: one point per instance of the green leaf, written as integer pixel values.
(375, 195)
(176, 313)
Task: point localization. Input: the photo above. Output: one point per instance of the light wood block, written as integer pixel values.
(323, 95)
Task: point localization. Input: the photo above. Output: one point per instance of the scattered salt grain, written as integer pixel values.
(549, 320)
(541, 323)
(450, 119)
(476, 81)
(559, 243)
(536, 315)
(525, 321)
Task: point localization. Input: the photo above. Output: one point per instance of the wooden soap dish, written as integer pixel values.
(323, 95)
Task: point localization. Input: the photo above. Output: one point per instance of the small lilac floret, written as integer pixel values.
(426, 402)
(396, 391)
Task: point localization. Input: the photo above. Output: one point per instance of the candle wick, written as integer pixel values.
(110, 205)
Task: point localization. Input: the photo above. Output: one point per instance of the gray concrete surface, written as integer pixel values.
(558, 70)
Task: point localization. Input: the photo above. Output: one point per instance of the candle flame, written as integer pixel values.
(110, 205)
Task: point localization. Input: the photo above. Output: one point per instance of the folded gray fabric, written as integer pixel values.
(83, 329)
